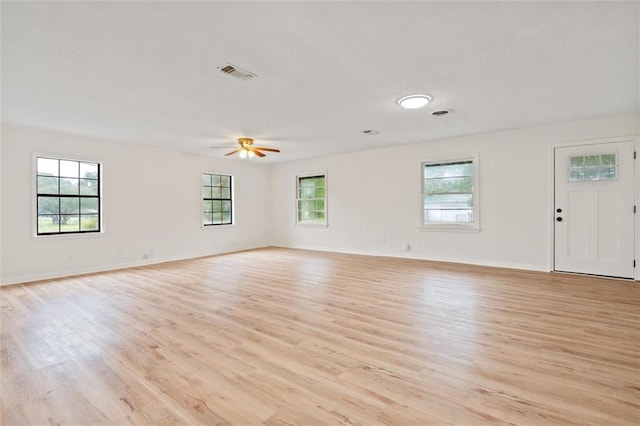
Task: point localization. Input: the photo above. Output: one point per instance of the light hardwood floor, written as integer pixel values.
(277, 336)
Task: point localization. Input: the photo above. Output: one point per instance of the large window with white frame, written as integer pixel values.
(67, 196)
(217, 201)
(450, 194)
(311, 199)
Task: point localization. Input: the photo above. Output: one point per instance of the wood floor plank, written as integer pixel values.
(291, 337)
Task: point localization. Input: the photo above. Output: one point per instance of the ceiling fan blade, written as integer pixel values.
(258, 153)
(267, 149)
(232, 152)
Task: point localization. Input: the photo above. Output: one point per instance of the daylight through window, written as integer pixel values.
(312, 200)
(449, 193)
(217, 203)
(68, 196)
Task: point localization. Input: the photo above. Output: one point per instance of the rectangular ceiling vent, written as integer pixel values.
(237, 72)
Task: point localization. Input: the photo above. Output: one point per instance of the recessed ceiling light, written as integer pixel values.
(414, 101)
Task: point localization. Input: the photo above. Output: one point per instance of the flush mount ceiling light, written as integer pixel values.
(414, 101)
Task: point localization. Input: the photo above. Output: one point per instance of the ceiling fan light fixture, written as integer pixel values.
(243, 153)
(414, 101)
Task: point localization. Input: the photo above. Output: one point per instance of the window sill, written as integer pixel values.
(449, 228)
(313, 225)
(69, 236)
(221, 226)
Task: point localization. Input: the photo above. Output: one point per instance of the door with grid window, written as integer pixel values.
(594, 209)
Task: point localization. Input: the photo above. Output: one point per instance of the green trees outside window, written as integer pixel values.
(217, 203)
(312, 200)
(67, 195)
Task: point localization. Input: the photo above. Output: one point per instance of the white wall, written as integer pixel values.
(374, 197)
(151, 199)
(151, 202)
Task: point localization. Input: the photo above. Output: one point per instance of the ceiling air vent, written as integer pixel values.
(236, 72)
(370, 132)
(441, 113)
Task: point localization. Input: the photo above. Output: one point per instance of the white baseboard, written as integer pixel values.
(412, 255)
(116, 266)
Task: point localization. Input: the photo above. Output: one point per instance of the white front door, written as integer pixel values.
(594, 209)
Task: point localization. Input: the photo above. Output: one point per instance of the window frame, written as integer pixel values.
(36, 194)
(325, 222)
(451, 226)
(230, 199)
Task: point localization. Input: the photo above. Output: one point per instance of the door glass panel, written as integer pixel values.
(593, 167)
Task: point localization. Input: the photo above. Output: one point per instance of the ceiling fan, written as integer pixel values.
(246, 149)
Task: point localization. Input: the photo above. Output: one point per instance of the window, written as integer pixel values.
(593, 167)
(67, 196)
(312, 200)
(449, 194)
(217, 204)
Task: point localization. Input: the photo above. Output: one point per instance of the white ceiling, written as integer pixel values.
(145, 72)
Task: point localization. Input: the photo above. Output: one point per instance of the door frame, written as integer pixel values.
(552, 193)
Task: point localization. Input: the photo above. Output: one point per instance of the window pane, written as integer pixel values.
(206, 192)
(88, 187)
(576, 174)
(89, 170)
(449, 216)
(226, 217)
(591, 173)
(449, 170)
(207, 218)
(319, 205)
(47, 166)
(206, 179)
(48, 205)
(448, 201)
(225, 181)
(307, 182)
(215, 180)
(577, 161)
(69, 186)
(89, 222)
(444, 185)
(320, 215)
(225, 193)
(307, 192)
(207, 206)
(48, 224)
(69, 205)
(69, 223)
(47, 185)
(592, 160)
(608, 159)
(607, 173)
(306, 205)
(69, 169)
(215, 192)
(216, 206)
(89, 205)
(226, 206)
(217, 217)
